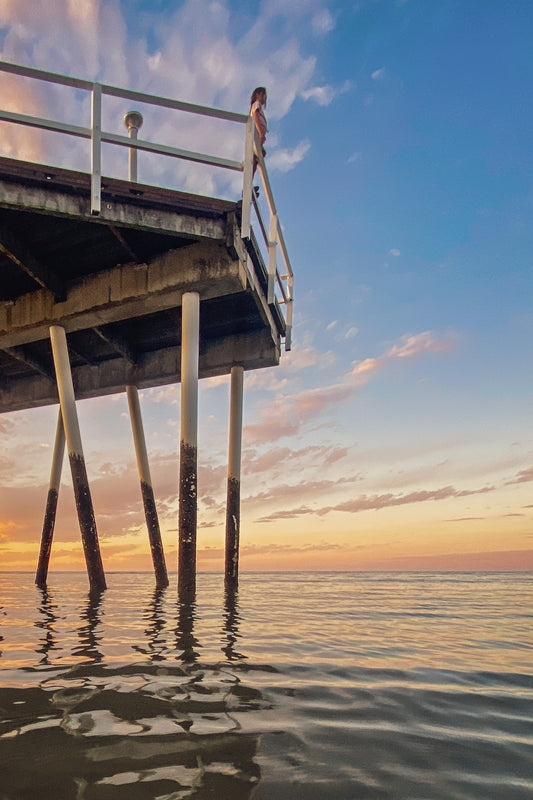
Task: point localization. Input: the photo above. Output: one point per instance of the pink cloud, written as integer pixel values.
(311, 489)
(286, 414)
(524, 476)
(499, 560)
(377, 502)
(410, 347)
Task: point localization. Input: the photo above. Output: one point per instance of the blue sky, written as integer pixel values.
(398, 431)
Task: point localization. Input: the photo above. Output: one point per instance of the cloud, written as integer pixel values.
(394, 252)
(303, 358)
(271, 549)
(193, 54)
(324, 95)
(379, 74)
(323, 22)
(524, 476)
(285, 159)
(262, 549)
(499, 560)
(279, 459)
(410, 347)
(287, 414)
(377, 502)
(301, 490)
(354, 157)
(351, 333)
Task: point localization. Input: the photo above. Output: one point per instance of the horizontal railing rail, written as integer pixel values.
(280, 284)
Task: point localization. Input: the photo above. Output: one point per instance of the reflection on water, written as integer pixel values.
(46, 622)
(186, 642)
(88, 635)
(77, 724)
(319, 687)
(156, 643)
(231, 625)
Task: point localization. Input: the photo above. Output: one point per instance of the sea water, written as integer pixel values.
(352, 686)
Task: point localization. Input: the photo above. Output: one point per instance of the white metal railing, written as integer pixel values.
(280, 284)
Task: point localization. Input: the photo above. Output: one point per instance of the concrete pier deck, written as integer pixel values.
(115, 282)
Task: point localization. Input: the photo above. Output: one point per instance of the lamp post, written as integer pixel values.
(133, 121)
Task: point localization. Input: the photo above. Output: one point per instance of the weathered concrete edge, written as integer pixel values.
(253, 350)
(65, 204)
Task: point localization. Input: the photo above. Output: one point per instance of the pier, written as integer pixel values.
(112, 285)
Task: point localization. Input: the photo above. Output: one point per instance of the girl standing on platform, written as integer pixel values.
(258, 103)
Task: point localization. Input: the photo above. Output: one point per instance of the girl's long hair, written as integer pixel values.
(256, 94)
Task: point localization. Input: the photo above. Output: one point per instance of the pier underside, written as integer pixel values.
(115, 283)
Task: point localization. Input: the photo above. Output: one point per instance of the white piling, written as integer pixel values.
(150, 511)
(84, 505)
(233, 502)
(190, 336)
(51, 503)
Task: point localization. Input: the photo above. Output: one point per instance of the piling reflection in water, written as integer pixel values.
(156, 646)
(166, 726)
(186, 641)
(230, 628)
(46, 622)
(87, 632)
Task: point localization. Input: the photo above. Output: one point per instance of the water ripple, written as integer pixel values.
(302, 686)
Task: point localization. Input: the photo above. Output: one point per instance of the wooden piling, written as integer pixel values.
(84, 505)
(51, 504)
(150, 511)
(233, 502)
(188, 446)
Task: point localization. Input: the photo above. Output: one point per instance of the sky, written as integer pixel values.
(397, 433)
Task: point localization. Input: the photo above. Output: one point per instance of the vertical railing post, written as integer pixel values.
(80, 482)
(96, 148)
(272, 248)
(150, 511)
(233, 503)
(288, 327)
(51, 503)
(247, 178)
(188, 481)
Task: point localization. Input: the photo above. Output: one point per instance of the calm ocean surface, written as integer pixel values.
(353, 686)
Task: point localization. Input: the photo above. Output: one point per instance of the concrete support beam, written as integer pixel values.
(51, 504)
(150, 511)
(126, 291)
(233, 504)
(84, 505)
(188, 480)
(162, 367)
